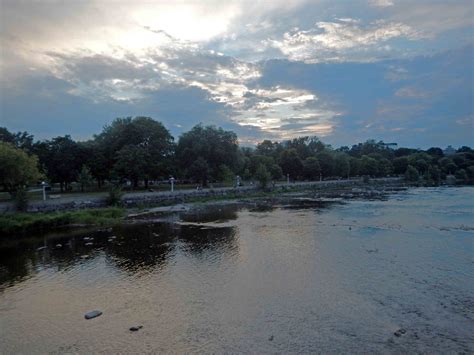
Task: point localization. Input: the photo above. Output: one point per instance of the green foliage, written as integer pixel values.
(225, 174)
(135, 138)
(209, 145)
(263, 176)
(17, 168)
(412, 174)
(291, 163)
(131, 163)
(199, 170)
(461, 175)
(115, 196)
(342, 166)
(326, 162)
(24, 222)
(85, 177)
(311, 168)
(20, 197)
(368, 166)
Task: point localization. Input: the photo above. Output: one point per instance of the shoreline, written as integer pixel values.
(19, 225)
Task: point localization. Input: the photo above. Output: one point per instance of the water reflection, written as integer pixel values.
(134, 248)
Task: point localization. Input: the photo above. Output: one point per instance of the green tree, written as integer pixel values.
(311, 168)
(369, 166)
(150, 139)
(131, 163)
(213, 146)
(17, 168)
(400, 165)
(263, 176)
(290, 163)
(461, 175)
(326, 162)
(342, 166)
(199, 170)
(412, 174)
(61, 159)
(85, 177)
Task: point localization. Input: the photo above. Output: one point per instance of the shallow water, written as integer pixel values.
(294, 278)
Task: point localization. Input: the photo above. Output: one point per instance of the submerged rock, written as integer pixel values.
(92, 314)
(400, 332)
(136, 328)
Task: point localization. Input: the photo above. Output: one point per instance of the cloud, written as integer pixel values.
(381, 3)
(411, 93)
(340, 40)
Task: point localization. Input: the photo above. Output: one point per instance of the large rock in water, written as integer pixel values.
(92, 314)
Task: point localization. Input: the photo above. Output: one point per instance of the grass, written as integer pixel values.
(19, 223)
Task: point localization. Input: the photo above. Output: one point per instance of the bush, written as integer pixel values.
(115, 196)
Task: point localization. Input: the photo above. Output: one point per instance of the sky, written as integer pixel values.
(345, 71)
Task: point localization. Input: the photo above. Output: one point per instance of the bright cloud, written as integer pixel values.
(332, 41)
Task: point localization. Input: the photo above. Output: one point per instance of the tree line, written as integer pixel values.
(140, 150)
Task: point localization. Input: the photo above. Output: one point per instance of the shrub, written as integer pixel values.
(115, 196)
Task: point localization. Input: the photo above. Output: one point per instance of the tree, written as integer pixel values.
(368, 166)
(436, 152)
(60, 158)
(213, 146)
(131, 163)
(17, 168)
(290, 163)
(326, 162)
(199, 170)
(148, 136)
(412, 174)
(311, 168)
(461, 175)
(84, 177)
(263, 176)
(341, 165)
(400, 165)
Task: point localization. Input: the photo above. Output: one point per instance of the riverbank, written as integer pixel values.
(64, 215)
(150, 199)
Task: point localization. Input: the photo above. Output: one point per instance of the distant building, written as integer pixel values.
(391, 145)
(449, 150)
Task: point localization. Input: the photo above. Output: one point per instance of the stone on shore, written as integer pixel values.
(136, 328)
(92, 314)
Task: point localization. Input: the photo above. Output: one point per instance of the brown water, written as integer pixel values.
(294, 279)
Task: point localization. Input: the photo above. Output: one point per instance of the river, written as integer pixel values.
(386, 275)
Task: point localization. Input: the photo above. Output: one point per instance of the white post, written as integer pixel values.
(172, 183)
(287, 179)
(44, 190)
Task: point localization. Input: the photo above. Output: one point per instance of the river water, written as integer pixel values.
(294, 278)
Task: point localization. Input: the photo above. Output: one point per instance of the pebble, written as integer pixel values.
(271, 338)
(89, 243)
(92, 314)
(59, 245)
(136, 328)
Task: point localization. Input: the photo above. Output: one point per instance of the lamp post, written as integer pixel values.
(43, 184)
(172, 183)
